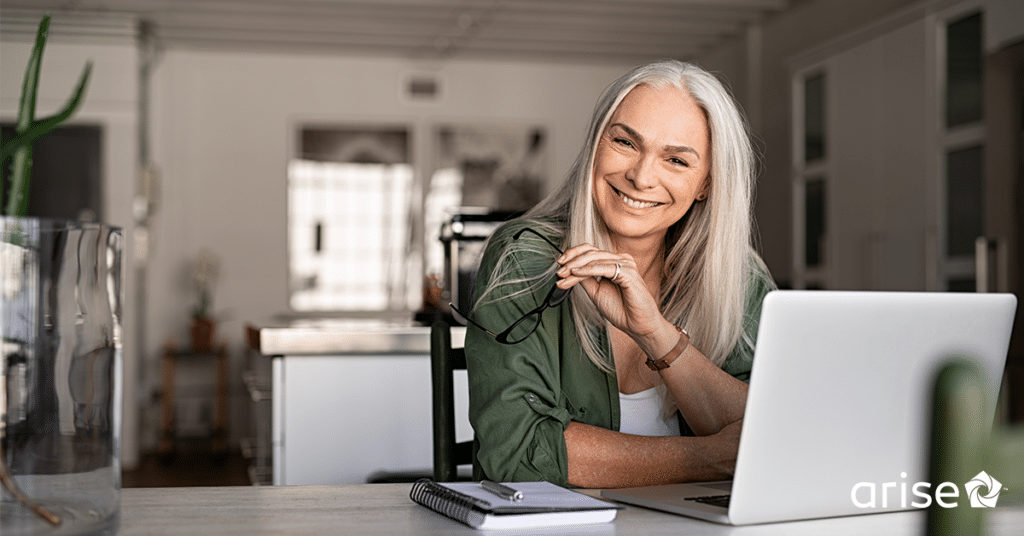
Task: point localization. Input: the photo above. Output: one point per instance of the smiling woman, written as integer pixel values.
(650, 234)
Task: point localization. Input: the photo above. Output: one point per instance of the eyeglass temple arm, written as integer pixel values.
(470, 320)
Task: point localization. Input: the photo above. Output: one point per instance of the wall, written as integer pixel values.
(225, 125)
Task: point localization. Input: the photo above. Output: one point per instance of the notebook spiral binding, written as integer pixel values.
(448, 502)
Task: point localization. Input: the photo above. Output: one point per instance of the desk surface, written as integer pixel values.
(387, 509)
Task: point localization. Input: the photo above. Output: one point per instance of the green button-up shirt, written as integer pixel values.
(523, 396)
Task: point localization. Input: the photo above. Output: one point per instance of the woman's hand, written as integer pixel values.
(615, 286)
(725, 445)
(709, 399)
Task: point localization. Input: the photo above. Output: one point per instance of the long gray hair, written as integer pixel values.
(708, 252)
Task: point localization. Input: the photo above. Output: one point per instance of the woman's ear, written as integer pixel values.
(705, 190)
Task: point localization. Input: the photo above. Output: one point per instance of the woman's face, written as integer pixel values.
(652, 162)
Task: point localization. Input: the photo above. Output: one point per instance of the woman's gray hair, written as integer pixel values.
(708, 252)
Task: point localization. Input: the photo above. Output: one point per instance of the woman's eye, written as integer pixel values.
(623, 142)
(678, 162)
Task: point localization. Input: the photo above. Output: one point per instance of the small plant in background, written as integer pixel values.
(204, 278)
(19, 148)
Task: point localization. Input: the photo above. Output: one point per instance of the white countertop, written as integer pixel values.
(333, 336)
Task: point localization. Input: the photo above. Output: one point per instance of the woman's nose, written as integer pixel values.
(641, 174)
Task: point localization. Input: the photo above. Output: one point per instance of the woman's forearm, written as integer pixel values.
(708, 397)
(600, 458)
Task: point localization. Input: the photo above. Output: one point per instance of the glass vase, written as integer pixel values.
(60, 380)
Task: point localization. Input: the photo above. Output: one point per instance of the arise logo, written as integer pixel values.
(992, 489)
(866, 494)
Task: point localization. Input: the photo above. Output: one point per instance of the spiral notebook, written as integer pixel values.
(543, 505)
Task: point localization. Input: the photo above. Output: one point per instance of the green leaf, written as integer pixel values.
(21, 169)
(44, 126)
(26, 111)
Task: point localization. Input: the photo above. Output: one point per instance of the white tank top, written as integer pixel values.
(640, 414)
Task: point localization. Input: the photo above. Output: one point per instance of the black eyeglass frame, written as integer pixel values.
(551, 300)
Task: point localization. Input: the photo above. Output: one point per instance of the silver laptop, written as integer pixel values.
(837, 416)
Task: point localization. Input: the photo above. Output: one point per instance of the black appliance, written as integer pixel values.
(463, 237)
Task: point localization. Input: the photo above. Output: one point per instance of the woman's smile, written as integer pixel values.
(634, 203)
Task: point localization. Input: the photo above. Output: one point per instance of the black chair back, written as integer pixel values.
(444, 361)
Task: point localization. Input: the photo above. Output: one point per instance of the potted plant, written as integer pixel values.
(204, 277)
(60, 321)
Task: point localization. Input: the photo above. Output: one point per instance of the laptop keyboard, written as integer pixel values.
(713, 500)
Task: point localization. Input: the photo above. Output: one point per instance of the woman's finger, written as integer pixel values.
(610, 269)
(584, 254)
(594, 256)
(574, 252)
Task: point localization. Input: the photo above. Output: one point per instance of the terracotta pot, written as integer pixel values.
(202, 335)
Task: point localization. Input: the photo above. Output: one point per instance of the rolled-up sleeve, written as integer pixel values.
(516, 404)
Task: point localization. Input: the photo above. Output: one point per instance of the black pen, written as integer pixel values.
(502, 491)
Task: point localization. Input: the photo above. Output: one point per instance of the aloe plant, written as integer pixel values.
(19, 148)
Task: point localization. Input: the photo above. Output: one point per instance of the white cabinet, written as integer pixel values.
(352, 397)
(337, 419)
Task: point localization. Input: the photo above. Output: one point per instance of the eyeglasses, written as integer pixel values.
(525, 326)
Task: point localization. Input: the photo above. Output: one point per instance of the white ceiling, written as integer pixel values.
(560, 30)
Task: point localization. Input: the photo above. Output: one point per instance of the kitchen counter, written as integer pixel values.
(333, 336)
(354, 391)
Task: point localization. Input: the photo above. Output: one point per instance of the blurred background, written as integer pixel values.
(298, 158)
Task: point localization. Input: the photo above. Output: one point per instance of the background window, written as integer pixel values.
(962, 148)
(349, 199)
(814, 118)
(814, 222)
(965, 172)
(964, 71)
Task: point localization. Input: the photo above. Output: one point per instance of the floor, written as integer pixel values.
(188, 468)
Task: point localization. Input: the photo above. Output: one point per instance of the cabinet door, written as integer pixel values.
(878, 201)
(880, 182)
(341, 418)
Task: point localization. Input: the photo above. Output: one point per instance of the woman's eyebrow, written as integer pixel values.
(667, 148)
